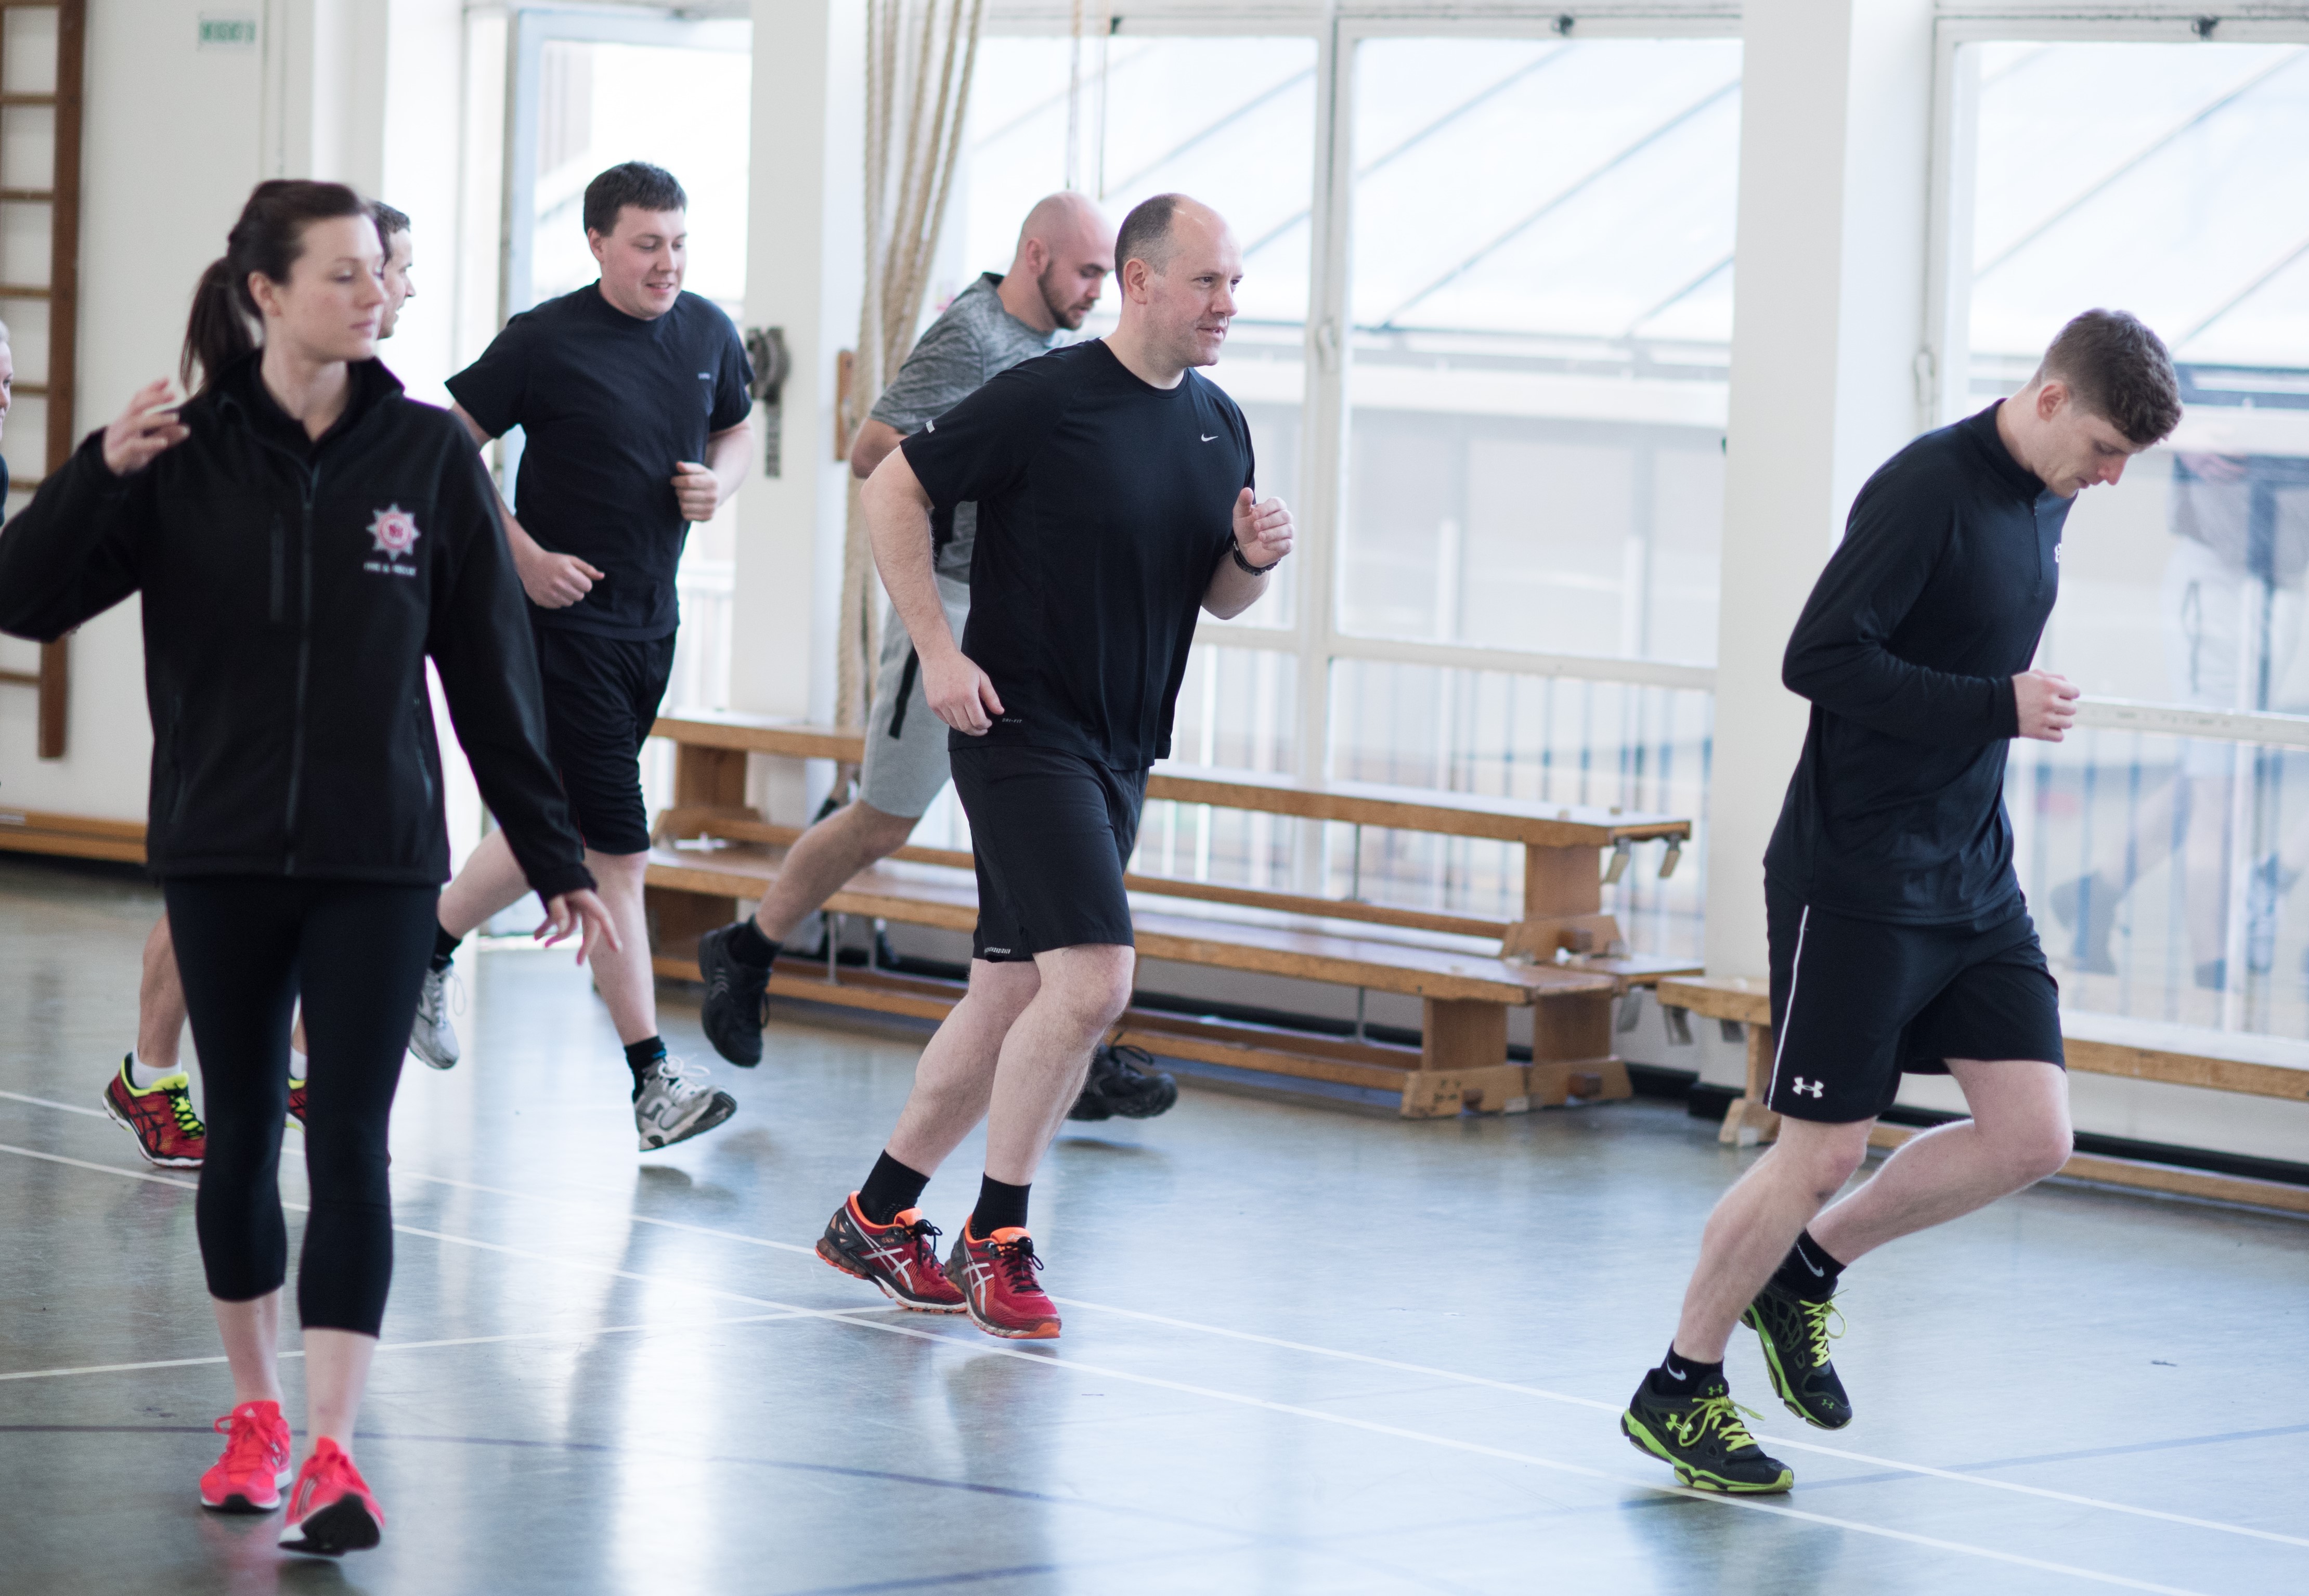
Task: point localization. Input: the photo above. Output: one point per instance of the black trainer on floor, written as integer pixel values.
(1120, 1083)
(734, 962)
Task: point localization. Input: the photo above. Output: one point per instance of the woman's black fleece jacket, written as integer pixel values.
(292, 588)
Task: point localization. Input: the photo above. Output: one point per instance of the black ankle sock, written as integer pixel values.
(641, 1055)
(1678, 1376)
(445, 948)
(1808, 1271)
(750, 948)
(890, 1189)
(1000, 1205)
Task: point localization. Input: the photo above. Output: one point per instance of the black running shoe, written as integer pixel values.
(1703, 1439)
(1795, 1333)
(737, 999)
(1118, 1084)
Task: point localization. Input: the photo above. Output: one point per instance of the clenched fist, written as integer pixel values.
(1262, 530)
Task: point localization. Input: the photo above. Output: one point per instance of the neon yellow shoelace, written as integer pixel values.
(1720, 1414)
(1817, 1330)
(180, 1104)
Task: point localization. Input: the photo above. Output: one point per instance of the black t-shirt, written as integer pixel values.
(609, 403)
(1933, 602)
(1103, 507)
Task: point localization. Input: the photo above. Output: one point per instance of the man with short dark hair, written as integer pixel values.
(635, 400)
(1899, 939)
(1113, 486)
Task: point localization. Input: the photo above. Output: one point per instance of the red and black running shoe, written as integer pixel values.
(897, 1256)
(997, 1277)
(296, 1104)
(249, 1477)
(331, 1512)
(160, 1117)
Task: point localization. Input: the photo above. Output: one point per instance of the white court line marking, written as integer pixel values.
(463, 1341)
(1925, 1470)
(1239, 1399)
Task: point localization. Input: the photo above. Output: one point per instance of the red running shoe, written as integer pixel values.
(160, 1117)
(248, 1477)
(296, 1104)
(331, 1512)
(997, 1276)
(897, 1256)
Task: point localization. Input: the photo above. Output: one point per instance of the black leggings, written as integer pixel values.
(246, 948)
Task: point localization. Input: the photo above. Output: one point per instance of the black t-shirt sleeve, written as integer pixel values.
(980, 447)
(494, 390)
(1840, 655)
(733, 380)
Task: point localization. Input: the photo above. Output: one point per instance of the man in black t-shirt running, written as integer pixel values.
(1113, 486)
(634, 399)
(1899, 939)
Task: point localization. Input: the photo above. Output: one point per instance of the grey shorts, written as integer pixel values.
(905, 742)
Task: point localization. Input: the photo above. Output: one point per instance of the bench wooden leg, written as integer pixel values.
(1463, 1062)
(1749, 1121)
(709, 778)
(678, 918)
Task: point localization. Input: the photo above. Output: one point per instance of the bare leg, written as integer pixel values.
(624, 976)
(491, 881)
(252, 1345)
(827, 855)
(159, 1002)
(1047, 1053)
(954, 1081)
(2019, 1133)
(336, 1374)
(1757, 1221)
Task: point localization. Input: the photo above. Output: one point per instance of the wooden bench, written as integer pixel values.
(72, 836)
(2096, 1044)
(713, 854)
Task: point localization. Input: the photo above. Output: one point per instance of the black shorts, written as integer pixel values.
(602, 696)
(1856, 1004)
(1051, 832)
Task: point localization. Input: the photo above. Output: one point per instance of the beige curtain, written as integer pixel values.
(919, 58)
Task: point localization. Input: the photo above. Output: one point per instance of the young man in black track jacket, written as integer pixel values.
(1899, 939)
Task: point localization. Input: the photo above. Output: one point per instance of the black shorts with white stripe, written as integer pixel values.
(1858, 1003)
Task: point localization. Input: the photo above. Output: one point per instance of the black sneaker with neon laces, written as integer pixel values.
(1703, 1438)
(1795, 1331)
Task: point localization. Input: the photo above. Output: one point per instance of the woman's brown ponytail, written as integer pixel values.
(268, 237)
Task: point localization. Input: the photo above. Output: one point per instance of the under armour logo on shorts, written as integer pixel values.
(1812, 1088)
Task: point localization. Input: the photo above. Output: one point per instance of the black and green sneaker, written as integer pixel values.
(1795, 1331)
(1703, 1438)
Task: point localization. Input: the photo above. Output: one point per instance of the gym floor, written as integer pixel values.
(1306, 1349)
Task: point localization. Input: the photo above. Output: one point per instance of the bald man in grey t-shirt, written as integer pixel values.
(1065, 253)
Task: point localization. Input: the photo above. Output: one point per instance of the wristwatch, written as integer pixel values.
(1234, 547)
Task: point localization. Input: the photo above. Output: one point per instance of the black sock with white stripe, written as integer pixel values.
(1808, 1271)
(1678, 1376)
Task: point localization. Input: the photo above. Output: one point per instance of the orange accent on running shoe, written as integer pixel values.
(169, 1131)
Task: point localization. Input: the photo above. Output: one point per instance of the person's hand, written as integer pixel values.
(1262, 530)
(146, 427)
(960, 693)
(2047, 704)
(696, 489)
(572, 912)
(555, 580)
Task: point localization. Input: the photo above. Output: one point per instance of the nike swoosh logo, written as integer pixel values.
(1210, 437)
(1674, 1373)
(1817, 1272)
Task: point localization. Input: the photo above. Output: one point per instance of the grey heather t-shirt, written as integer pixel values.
(964, 350)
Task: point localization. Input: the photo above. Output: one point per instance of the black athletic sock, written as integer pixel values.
(890, 1189)
(642, 1056)
(750, 948)
(1808, 1272)
(1000, 1205)
(1678, 1376)
(445, 948)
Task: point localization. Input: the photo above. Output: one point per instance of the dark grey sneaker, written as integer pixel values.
(1118, 1084)
(1795, 1333)
(737, 999)
(1703, 1438)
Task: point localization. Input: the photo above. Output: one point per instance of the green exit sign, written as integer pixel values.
(227, 33)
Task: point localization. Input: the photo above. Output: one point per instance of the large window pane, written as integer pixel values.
(1229, 121)
(2172, 181)
(1541, 307)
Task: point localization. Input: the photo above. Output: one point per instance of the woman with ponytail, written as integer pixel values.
(303, 536)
